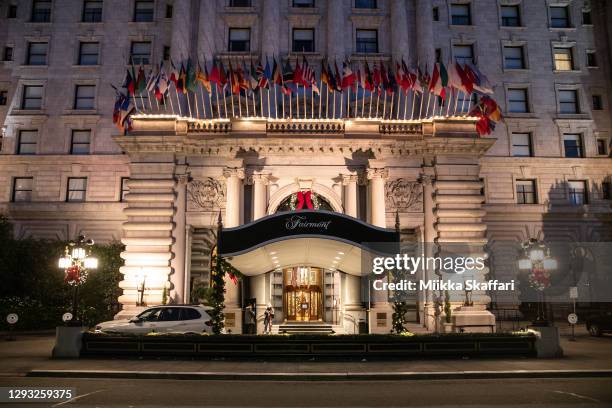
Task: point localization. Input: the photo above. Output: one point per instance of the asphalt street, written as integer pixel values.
(588, 392)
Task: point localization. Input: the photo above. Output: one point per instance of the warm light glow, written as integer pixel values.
(550, 264)
(90, 263)
(78, 253)
(525, 264)
(64, 262)
(536, 255)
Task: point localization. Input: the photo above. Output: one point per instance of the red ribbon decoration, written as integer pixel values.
(73, 274)
(304, 197)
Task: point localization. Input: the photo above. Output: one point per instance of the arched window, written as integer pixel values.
(291, 203)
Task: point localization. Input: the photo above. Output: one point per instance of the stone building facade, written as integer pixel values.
(543, 173)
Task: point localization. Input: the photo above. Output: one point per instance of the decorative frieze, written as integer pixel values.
(404, 196)
(206, 194)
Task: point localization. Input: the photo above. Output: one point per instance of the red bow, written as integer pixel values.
(304, 197)
(73, 274)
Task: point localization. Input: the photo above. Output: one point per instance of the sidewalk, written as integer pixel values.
(29, 355)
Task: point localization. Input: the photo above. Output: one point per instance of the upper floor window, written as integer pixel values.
(365, 4)
(140, 52)
(436, 14)
(37, 53)
(461, 14)
(366, 41)
(12, 11)
(591, 59)
(143, 10)
(521, 144)
(3, 98)
(606, 190)
(564, 58)
(239, 40)
(22, 189)
(88, 53)
(80, 143)
(41, 11)
(464, 53)
(526, 192)
(8, 54)
(517, 100)
(32, 97)
(597, 102)
(559, 17)
(586, 17)
(568, 101)
(240, 3)
(303, 3)
(514, 57)
(602, 147)
(84, 97)
(303, 40)
(166, 53)
(510, 16)
(572, 144)
(577, 192)
(76, 189)
(27, 142)
(92, 11)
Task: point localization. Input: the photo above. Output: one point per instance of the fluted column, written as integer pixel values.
(424, 33)
(270, 28)
(260, 195)
(335, 29)
(178, 262)
(400, 47)
(233, 178)
(349, 181)
(206, 31)
(377, 177)
(181, 30)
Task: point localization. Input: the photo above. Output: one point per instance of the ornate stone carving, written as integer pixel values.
(205, 194)
(404, 196)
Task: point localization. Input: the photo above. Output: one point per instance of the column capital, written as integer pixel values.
(182, 179)
(259, 178)
(377, 173)
(230, 172)
(427, 179)
(349, 179)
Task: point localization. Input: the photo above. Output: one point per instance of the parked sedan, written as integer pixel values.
(162, 319)
(599, 323)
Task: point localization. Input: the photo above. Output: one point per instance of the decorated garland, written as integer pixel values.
(219, 268)
(75, 275)
(303, 199)
(539, 279)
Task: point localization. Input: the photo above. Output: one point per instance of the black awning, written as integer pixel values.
(302, 224)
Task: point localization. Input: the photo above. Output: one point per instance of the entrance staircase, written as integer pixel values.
(307, 328)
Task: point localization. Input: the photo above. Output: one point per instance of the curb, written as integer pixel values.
(338, 376)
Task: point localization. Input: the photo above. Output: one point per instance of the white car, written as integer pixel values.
(162, 319)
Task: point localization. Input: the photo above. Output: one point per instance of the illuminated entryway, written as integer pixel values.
(303, 294)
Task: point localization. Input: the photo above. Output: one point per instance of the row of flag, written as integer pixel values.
(242, 78)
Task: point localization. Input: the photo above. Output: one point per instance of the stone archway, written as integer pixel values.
(327, 193)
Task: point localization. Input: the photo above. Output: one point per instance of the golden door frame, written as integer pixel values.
(303, 295)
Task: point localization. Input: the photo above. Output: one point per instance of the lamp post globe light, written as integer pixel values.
(537, 262)
(76, 262)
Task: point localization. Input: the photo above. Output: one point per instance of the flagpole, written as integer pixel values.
(421, 108)
(326, 100)
(363, 96)
(269, 114)
(305, 109)
(463, 102)
(428, 102)
(275, 103)
(254, 106)
(341, 100)
(178, 101)
(469, 105)
(334, 110)
(448, 102)
(377, 102)
(320, 96)
(406, 103)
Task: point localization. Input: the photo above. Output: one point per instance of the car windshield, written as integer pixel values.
(150, 315)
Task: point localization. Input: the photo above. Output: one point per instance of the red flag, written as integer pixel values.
(466, 82)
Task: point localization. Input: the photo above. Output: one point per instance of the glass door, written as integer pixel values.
(303, 300)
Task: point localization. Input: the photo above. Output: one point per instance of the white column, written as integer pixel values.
(181, 31)
(349, 181)
(260, 195)
(178, 248)
(270, 36)
(399, 30)
(335, 30)
(233, 179)
(377, 177)
(424, 33)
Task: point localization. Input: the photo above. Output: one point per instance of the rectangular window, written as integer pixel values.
(22, 189)
(602, 147)
(240, 3)
(12, 11)
(577, 192)
(143, 10)
(521, 144)
(510, 16)
(84, 97)
(517, 100)
(597, 102)
(169, 10)
(572, 144)
(92, 11)
(41, 11)
(591, 59)
(568, 101)
(32, 97)
(166, 55)
(81, 140)
(366, 41)
(303, 40)
(586, 17)
(125, 189)
(8, 54)
(461, 14)
(37, 53)
(303, 3)
(27, 142)
(514, 58)
(77, 189)
(239, 40)
(140, 53)
(526, 192)
(438, 54)
(564, 59)
(365, 4)
(606, 190)
(464, 53)
(3, 98)
(559, 17)
(88, 53)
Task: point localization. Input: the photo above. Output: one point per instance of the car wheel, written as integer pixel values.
(594, 330)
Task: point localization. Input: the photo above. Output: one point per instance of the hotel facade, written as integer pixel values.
(545, 172)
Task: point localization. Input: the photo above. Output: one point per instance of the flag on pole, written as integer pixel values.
(348, 76)
(203, 78)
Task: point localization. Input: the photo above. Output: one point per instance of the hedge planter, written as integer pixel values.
(370, 345)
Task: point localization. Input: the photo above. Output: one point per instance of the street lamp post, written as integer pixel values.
(76, 262)
(536, 260)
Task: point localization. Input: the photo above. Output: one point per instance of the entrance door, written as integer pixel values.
(303, 294)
